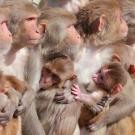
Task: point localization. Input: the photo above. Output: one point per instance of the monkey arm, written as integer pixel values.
(13, 101)
(121, 106)
(26, 101)
(30, 122)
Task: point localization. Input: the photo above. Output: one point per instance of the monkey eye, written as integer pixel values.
(56, 79)
(5, 21)
(30, 18)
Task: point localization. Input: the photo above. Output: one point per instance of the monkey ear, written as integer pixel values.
(44, 23)
(102, 22)
(117, 88)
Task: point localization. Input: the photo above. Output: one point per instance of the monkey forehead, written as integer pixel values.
(4, 13)
(57, 13)
(61, 67)
(20, 8)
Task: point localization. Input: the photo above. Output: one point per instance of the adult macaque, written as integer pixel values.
(59, 25)
(60, 36)
(72, 6)
(9, 109)
(26, 33)
(57, 75)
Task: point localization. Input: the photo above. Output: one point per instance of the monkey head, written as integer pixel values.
(101, 22)
(5, 34)
(56, 71)
(111, 77)
(23, 22)
(59, 29)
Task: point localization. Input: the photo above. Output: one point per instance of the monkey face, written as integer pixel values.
(5, 35)
(100, 77)
(73, 35)
(48, 79)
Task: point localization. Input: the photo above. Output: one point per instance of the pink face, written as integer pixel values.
(5, 35)
(100, 77)
(73, 35)
(48, 79)
(32, 32)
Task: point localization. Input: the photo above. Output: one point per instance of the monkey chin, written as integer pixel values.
(33, 43)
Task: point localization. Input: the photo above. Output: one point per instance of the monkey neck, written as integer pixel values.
(11, 55)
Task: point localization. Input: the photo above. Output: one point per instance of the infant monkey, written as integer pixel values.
(54, 74)
(107, 82)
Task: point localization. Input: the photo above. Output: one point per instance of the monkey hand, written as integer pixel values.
(96, 109)
(20, 109)
(7, 114)
(63, 98)
(76, 92)
(94, 125)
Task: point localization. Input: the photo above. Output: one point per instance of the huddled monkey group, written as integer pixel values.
(67, 67)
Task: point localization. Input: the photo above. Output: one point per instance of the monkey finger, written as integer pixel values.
(77, 98)
(74, 89)
(76, 86)
(4, 116)
(4, 122)
(59, 94)
(20, 110)
(59, 98)
(65, 101)
(74, 93)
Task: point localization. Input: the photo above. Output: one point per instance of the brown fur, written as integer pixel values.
(55, 38)
(89, 15)
(58, 119)
(13, 127)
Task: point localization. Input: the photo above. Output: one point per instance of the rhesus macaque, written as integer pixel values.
(9, 108)
(60, 36)
(106, 34)
(124, 100)
(101, 26)
(107, 82)
(72, 6)
(9, 98)
(100, 23)
(57, 119)
(26, 33)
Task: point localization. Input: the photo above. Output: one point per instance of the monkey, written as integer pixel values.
(57, 39)
(91, 16)
(64, 38)
(72, 6)
(122, 98)
(9, 98)
(54, 118)
(5, 45)
(23, 25)
(105, 84)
